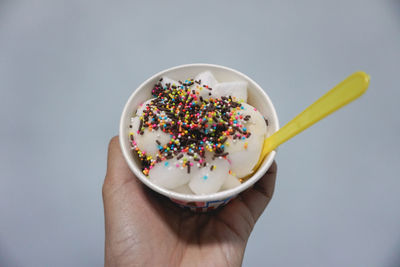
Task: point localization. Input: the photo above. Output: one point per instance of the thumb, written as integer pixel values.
(118, 172)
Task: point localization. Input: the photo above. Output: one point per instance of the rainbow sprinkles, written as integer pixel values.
(197, 136)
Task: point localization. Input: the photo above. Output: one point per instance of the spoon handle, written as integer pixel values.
(343, 93)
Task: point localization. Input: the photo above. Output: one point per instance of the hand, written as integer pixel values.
(143, 228)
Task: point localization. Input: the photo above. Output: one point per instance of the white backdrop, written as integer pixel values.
(67, 68)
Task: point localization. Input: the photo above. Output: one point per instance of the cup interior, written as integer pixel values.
(257, 97)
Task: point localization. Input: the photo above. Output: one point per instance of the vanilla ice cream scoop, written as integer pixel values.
(237, 90)
(230, 182)
(150, 141)
(206, 78)
(210, 178)
(170, 174)
(145, 105)
(245, 152)
(203, 84)
(167, 81)
(256, 122)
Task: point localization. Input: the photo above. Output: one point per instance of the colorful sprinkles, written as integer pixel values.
(195, 124)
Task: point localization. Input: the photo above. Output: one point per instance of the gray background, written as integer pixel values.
(67, 68)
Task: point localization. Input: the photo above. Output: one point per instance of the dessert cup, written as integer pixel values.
(257, 97)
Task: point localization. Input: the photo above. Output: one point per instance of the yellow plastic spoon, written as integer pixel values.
(343, 93)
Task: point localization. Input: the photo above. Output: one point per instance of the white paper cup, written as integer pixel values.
(256, 97)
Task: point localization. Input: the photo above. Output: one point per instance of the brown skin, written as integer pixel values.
(145, 229)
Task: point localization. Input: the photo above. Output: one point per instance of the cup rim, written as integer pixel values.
(195, 198)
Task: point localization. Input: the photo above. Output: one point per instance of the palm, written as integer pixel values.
(144, 228)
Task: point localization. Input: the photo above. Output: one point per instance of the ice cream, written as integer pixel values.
(197, 136)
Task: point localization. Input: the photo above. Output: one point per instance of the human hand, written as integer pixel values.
(143, 228)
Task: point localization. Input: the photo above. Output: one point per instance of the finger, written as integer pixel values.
(118, 172)
(258, 197)
(122, 197)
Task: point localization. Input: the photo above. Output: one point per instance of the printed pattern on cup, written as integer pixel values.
(202, 206)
